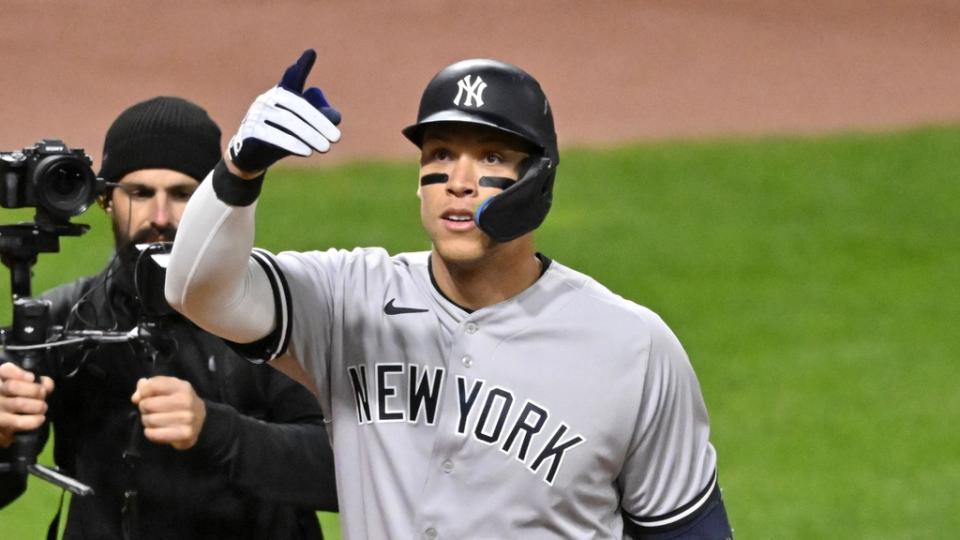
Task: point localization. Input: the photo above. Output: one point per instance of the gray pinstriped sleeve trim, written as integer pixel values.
(681, 515)
(275, 344)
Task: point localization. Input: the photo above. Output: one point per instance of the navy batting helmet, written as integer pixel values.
(508, 99)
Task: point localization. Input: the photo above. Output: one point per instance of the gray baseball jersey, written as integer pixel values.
(555, 414)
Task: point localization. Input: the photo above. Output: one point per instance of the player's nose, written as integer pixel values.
(462, 181)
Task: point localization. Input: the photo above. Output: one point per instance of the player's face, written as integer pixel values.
(148, 205)
(465, 153)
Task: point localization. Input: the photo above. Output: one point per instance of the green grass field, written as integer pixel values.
(814, 281)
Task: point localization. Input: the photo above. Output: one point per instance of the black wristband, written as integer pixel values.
(234, 190)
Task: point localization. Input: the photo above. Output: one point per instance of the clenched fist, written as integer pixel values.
(170, 410)
(23, 401)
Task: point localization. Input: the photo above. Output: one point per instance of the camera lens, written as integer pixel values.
(64, 185)
(63, 179)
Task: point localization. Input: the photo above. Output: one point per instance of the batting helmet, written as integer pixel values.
(508, 99)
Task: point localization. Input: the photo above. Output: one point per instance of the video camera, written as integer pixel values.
(59, 182)
(49, 176)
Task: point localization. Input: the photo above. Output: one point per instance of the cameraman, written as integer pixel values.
(194, 442)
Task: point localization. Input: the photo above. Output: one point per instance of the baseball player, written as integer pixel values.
(478, 390)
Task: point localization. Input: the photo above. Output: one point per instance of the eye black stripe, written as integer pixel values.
(434, 178)
(501, 182)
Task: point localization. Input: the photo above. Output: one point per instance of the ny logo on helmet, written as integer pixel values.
(474, 92)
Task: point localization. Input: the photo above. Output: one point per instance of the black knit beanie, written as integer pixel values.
(161, 133)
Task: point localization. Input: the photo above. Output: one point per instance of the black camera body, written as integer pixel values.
(49, 176)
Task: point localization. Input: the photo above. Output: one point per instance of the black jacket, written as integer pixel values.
(260, 469)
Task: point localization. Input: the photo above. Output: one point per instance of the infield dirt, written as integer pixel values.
(615, 70)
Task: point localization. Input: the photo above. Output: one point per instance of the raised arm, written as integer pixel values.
(211, 278)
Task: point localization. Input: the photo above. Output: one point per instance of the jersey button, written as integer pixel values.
(467, 361)
(447, 466)
(471, 328)
(430, 534)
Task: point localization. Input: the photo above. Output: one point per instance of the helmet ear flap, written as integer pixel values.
(521, 207)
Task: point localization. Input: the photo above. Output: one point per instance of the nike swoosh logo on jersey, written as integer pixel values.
(391, 309)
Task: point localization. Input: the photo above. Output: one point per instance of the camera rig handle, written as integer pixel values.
(31, 322)
(19, 246)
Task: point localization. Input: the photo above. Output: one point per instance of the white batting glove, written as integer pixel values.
(285, 120)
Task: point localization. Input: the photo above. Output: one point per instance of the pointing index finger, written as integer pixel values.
(296, 75)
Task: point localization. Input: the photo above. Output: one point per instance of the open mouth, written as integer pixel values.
(458, 218)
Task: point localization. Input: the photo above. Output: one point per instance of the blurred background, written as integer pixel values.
(614, 70)
(777, 179)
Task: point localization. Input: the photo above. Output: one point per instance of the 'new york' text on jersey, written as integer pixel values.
(555, 414)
